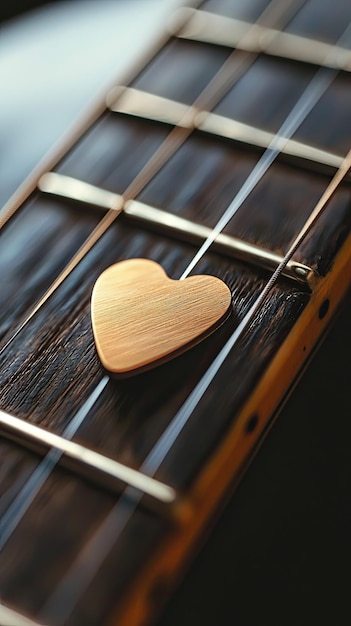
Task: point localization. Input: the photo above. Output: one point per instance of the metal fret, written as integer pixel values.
(92, 239)
(80, 191)
(244, 133)
(139, 103)
(225, 31)
(86, 462)
(9, 617)
(116, 202)
(211, 94)
(149, 106)
(160, 220)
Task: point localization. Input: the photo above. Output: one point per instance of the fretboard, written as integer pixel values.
(181, 136)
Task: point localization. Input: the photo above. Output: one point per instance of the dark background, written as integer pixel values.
(280, 553)
(11, 9)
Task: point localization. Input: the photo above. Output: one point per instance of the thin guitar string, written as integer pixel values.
(19, 506)
(229, 218)
(25, 498)
(78, 578)
(212, 93)
(262, 174)
(222, 81)
(319, 84)
(84, 569)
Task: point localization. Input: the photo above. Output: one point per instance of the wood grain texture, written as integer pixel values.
(187, 82)
(49, 370)
(128, 419)
(140, 317)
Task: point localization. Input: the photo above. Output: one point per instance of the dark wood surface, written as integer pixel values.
(280, 525)
(279, 554)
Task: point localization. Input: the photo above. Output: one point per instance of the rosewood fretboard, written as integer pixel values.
(50, 367)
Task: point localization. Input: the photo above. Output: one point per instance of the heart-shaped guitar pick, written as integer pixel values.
(141, 317)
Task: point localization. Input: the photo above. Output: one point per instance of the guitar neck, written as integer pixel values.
(189, 139)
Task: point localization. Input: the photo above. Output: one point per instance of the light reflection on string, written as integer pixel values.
(307, 101)
(88, 562)
(211, 93)
(90, 559)
(317, 87)
(20, 505)
(224, 78)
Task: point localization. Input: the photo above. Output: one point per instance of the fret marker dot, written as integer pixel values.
(251, 424)
(324, 308)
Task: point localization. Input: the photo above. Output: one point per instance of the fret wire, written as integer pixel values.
(149, 106)
(85, 567)
(9, 617)
(20, 505)
(110, 218)
(224, 244)
(228, 128)
(176, 137)
(229, 73)
(154, 458)
(212, 93)
(307, 101)
(93, 238)
(168, 147)
(80, 575)
(113, 540)
(137, 103)
(84, 459)
(319, 84)
(167, 440)
(173, 141)
(277, 13)
(159, 220)
(210, 28)
(50, 159)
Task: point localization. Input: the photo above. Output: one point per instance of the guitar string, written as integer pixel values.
(222, 81)
(309, 98)
(266, 167)
(19, 506)
(219, 84)
(212, 93)
(83, 570)
(316, 88)
(24, 499)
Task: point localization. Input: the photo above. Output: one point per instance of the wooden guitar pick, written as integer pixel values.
(140, 317)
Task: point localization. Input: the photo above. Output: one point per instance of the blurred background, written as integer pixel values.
(280, 554)
(56, 58)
